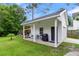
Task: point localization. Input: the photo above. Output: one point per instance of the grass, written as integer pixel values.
(20, 47)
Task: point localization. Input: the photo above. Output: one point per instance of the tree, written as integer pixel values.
(33, 6)
(70, 21)
(11, 16)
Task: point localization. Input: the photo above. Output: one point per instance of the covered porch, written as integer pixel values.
(50, 27)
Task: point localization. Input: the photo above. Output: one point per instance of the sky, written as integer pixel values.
(42, 11)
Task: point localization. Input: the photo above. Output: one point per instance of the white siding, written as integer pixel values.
(59, 31)
(47, 24)
(75, 24)
(63, 28)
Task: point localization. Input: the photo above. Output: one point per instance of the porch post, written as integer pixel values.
(23, 31)
(55, 33)
(34, 34)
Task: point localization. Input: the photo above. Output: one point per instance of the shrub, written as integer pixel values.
(11, 35)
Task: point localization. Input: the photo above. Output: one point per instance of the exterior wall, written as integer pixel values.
(47, 24)
(75, 24)
(63, 27)
(70, 28)
(59, 31)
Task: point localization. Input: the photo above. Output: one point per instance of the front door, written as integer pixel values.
(52, 34)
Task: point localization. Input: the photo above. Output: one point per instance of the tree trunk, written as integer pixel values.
(11, 38)
(32, 13)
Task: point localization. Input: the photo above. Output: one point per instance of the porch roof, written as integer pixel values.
(53, 15)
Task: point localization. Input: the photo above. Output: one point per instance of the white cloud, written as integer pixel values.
(76, 9)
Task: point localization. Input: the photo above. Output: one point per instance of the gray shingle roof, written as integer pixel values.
(52, 14)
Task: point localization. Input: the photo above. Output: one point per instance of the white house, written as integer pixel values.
(75, 25)
(75, 19)
(54, 25)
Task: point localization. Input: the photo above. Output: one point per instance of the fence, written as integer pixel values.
(73, 34)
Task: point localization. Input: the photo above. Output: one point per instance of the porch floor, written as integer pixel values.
(41, 42)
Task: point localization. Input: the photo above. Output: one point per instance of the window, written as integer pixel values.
(41, 30)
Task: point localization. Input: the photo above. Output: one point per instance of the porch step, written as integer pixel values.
(45, 43)
(42, 42)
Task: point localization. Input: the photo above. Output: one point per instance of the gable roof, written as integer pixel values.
(55, 14)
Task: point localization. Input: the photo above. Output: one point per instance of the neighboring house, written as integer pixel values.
(75, 19)
(49, 30)
(75, 24)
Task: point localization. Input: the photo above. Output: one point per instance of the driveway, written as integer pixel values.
(74, 51)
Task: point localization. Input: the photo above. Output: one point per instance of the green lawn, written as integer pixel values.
(20, 47)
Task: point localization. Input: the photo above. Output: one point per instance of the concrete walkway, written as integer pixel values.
(71, 40)
(73, 53)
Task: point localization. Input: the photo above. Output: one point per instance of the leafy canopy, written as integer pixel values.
(11, 16)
